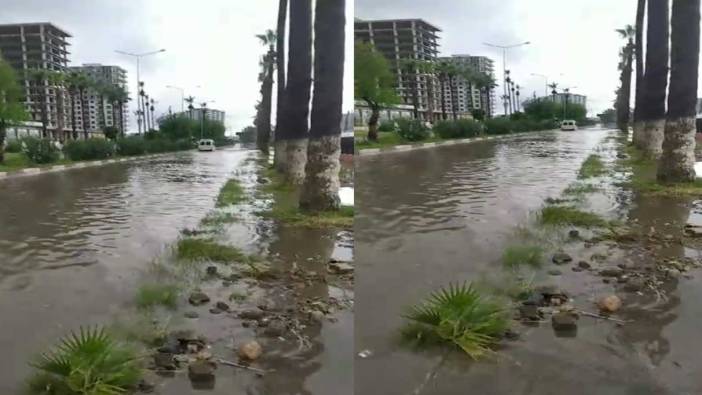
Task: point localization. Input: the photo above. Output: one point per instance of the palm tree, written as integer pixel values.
(12, 108)
(83, 83)
(442, 69)
(73, 81)
(266, 78)
(57, 81)
(140, 107)
(409, 73)
(517, 98)
(147, 119)
(121, 97)
(280, 100)
(190, 100)
(677, 163)
(651, 117)
(639, 54)
(320, 191)
(40, 79)
(625, 67)
(554, 92)
(151, 108)
(297, 91)
(485, 83)
(427, 70)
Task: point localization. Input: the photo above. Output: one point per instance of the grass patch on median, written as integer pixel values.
(193, 249)
(517, 255)
(643, 177)
(579, 189)
(566, 215)
(152, 295)
(592, 167)
(231, 193)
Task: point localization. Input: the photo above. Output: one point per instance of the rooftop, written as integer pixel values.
(421, 21)
(63, 32)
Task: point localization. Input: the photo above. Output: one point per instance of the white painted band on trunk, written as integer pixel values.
(652, 134)
(295, 160)
(677, 163)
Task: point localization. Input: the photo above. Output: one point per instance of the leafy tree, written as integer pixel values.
(541, 109)
(478, 114)
(608, 116)
(11, 107)
(373, 83)
(111, 132)
(247, 134)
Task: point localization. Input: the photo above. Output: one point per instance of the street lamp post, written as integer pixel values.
(138, 56)
(182, 95)
(504, 64)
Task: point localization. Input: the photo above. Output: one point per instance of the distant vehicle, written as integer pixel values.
(206, 145)
(569, 124)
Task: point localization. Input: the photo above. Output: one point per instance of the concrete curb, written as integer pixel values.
(78, 165)
(418, 146)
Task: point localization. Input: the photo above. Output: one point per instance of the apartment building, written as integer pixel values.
(28, 47)
(468, 96)
(96, 107)
(400, 40)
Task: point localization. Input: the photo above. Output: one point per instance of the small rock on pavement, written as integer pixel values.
(564, 321)
(340, 268)
(215, 310)
(529, 312)
(555, 272)
(611, 272)
(576, 269)
(584, 265)
(145, 386)
(251, 314)
(275, 328)
(201, 371)
(222, 306)
(198, 298)
(561, 258)
(191, 314)
(211, 270)
(164, 360)
(250, 350)
(636, 284)
(573, 233)
(609, 303)
(317, 315)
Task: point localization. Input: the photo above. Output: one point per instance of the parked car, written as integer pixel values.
(206, 145)
(569, 124)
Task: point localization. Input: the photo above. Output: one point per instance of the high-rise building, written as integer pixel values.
(468, 96)
(39, 46)
(400, 40)
(99, 111)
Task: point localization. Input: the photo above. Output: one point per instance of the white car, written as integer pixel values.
(206, 145)
(569, 124)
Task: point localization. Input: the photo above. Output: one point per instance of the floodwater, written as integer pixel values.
(74, 245)
(427, 218)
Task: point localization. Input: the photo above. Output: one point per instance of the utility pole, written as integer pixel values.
(504, 65)
(138, 56)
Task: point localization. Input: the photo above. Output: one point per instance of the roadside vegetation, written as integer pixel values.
(196, 249)
(525, 254)
(569, 216)
(231, 193)
(592, 167)
(156, 294)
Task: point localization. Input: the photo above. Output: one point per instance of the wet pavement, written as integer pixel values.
(430, 217)
(74, 246)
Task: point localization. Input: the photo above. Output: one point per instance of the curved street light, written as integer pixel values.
(138, 56)
(504, 49)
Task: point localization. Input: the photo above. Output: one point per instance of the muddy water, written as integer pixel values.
(429, 217)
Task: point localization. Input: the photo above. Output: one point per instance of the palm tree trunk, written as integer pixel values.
(84, 119)
(453, 98)
(279, 154)
(320, 190)
(44, 114)
(121, 119)
(73, 115)
(297, 105)
(624, 109)
(264, 126)
(677, 163)
(3, 132)
(638, 95)
(430, 97)
(444, 116)
(651, 118)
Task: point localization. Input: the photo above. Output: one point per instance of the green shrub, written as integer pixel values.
(517, 255)
(132, 145)
(153, 294)
(412, 129)
(387, 126)
(88, 363)
(90, 149)
(446, 129)
(14, 146)
(469, 128)
(40, 151)
(498, 126)
(111, 132)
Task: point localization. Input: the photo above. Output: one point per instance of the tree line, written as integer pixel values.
(307, 141)
(665, 98)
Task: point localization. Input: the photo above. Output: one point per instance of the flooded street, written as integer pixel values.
(430, 217)
(74, 246)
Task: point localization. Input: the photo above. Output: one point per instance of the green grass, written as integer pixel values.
(152, 295)
(458, 315)
(592, 167)
(89, 362)
(579, 189)
(643, 177)
(231, 193)
(192, 249)
(385, 139)
(285, 207)
(237, 297)
(17, 161)
(517, 255)
(564, 215)
(218, 218)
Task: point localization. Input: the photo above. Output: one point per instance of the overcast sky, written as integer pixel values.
(210, 43)
(575, 38)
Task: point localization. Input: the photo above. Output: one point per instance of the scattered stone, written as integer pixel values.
(564, 321)
(222, 306)
(198, 298)
(211, 270)
(574, 233)
(577, 269)
(201, 371)
(529, 312)
(511, 334)
(191, 314)
(606, 280)
(673, 273)
(275, 328)
(145, 386)
(226, 283)
(609, 303)
(317, 315)
(246, 324)
(164, 360)
(250, 350)
(555, 272)
(251, 314)
(598, 258)
(611, 272)
(561, 258)
(693, 230)
(215, 310)
(635, 285)
(340, 268)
